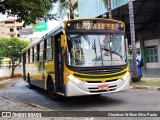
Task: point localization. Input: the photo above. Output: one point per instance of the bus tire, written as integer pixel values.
(50, 90)
(29, 82)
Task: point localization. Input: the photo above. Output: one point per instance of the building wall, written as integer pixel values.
(6, 71)
(90, 8)
(149, 43)
(5, 28)
(94, 8)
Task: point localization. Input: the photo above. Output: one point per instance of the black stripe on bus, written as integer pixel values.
(95, 77)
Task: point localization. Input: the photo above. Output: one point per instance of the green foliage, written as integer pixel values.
(105, 3)
(12, 48)
(67, 5)
(1, 57)
(27, 10)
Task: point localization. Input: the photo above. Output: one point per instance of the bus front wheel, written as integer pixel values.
(50, 90)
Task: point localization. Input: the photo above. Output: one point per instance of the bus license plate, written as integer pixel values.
(104, 87)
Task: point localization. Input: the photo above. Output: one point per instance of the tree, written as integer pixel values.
(27, 10)
(108, 6)
(12, 48)
(67, 5)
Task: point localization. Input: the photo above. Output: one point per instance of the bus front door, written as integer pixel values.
(59, 87)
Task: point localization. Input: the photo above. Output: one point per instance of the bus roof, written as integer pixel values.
(54, 32)
(107, 19)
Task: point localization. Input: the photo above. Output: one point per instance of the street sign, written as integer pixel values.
(41, 26)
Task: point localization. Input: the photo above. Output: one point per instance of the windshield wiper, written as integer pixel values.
(117, 48)
(95, 48)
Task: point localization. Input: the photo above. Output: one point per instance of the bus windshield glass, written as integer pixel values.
(95, 50)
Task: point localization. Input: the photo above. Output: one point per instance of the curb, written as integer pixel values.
(145, 87)
(143, 78)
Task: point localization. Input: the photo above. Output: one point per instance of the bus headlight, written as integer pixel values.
(126, 77)
(76, 80)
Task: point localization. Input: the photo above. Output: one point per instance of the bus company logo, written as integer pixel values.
(6, 114)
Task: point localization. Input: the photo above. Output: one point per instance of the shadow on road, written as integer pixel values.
(21, 92)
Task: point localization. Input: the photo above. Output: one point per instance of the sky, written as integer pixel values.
(2, 17)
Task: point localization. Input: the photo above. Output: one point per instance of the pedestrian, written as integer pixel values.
(139, 67)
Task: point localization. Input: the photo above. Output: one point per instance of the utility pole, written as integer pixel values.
(109, 10)
(134, 75)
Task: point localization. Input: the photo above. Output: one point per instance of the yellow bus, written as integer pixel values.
(86, 57)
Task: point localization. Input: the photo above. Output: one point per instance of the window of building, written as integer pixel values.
(18, 35)
(11, 30)
(151, 54)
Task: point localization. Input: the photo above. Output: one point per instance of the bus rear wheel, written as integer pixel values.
(51, 93)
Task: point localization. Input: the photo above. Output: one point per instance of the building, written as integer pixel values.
(10, 28)
(146, 19)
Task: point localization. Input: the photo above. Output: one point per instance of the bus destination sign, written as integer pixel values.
(94, 25)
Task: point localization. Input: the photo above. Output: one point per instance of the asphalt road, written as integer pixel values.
(132, 100)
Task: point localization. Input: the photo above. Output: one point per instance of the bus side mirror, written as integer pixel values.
(63, 41)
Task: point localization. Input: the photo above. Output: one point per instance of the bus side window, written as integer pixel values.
(29, 56)
(26, 57)
(31, 53)
(49, 49)
(41, 51)
(35, 53)
(45, 48)
(38, 50)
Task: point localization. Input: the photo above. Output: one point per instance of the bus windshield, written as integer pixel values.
(95, 50)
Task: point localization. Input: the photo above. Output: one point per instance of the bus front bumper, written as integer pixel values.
(73, 89)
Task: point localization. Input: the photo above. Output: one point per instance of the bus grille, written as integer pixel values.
(100, 71)
(101, 81)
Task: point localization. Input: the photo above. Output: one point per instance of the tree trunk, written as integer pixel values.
(12, 73)
(13, 66)
(134, 75)
(71, 10)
